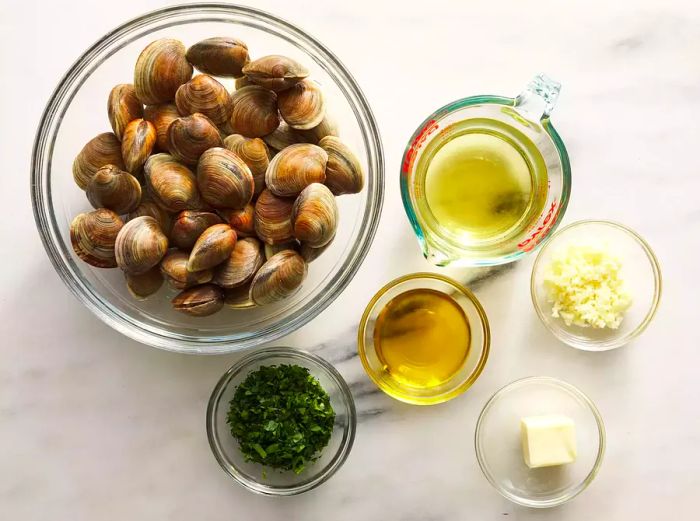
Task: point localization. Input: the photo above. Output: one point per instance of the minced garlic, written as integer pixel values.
(585, 287)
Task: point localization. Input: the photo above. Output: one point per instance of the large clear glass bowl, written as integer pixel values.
(77, 111)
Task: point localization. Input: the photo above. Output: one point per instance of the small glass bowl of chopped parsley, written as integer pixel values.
(281, 421)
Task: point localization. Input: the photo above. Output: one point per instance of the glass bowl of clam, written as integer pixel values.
(207, 178)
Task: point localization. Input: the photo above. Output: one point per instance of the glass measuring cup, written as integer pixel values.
(523, 122)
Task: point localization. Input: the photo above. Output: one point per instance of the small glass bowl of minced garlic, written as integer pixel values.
(596, 285)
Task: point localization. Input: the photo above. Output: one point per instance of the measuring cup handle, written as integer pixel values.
(538, 99)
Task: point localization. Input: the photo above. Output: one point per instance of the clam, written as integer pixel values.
(282, 137)
(140, 245)
(171, 184)
(174, 269)
(103, 149)
(302, 106)
(242, 221)
(344, 174)
(241, 82)
(189, 225)
(205, 95)
(240, 267)
(224, 180)
(123, 106)
(114, 189)
(275, 72)
(273, 223)
(189, 137)
(200, 301)
(212, 247)
(280, 277)
(274, 249)
(238, 297)
(145, 284)
(219, 56)
(310, 254)
(160, 70)
(93, 235)
(152, 209)
(254, 111)
(254, 153)
(327, 127)
(161, 115)
(295, 168)
(315, 216)
(137, 144)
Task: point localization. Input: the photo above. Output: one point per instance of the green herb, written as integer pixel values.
(281, 417)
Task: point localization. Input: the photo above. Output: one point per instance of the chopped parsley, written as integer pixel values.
(281, 417)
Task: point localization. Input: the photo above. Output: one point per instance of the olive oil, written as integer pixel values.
(422, 338)
(484, 182)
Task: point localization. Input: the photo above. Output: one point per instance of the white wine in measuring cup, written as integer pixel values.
(486, 179)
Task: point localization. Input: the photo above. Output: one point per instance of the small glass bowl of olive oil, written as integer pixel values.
(424, 339)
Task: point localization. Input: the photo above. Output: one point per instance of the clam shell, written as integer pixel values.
(274, 249)
(219, 56)
(93, 236)
(254, 153)
(275, 72)
(137, 144)
(160, 70)
(224, 180)
(242, 221)
(123, 106)
(327, 127)
(205, 95)
(140, 245)
(189, 137)
(143, 285)
(200, 301)
(161, 115)
(174, 269)
(212, 247)
(282, 137)
(238, 297)
(302, 106)
(315, 216)
(254, 111)
(152, 209)
(344, 174)
(189, 225)
(103, 149)
(114, 189)
(272, 220)
(295, 168)
(240, 267)
(280, 277)
(172, 185)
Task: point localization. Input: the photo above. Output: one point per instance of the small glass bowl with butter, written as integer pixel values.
(596, 285)
(540, 441)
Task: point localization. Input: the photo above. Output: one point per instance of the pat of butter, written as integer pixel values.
(548, 440)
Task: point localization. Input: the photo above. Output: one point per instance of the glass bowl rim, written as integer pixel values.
(48, 227)
(654, 305)
(456, 106)
(319, 364)
(575, 491)
(483, 322)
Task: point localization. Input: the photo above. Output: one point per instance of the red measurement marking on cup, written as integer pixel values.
(430, 127)
(541, 231)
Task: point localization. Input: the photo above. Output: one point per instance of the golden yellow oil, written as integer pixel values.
(422, 338)
(485, 181)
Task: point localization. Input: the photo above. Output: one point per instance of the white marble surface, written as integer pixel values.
(95, 426)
